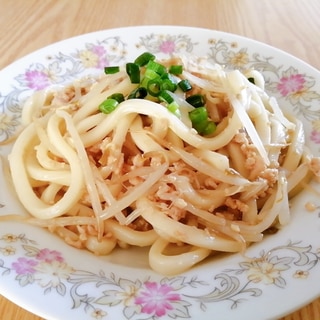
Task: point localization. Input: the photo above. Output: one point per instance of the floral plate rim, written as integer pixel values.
(47, 271)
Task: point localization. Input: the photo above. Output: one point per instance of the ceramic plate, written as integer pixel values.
(47, 277)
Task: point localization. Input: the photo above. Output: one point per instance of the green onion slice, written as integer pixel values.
(117, 96)
(196, 100)
(144, 58)
(138, 93)
(133, 71)
(169, 82)
(111, 69)
(173, 107)
(164, 96)
(210, 128)
(176, 69)
(199, 119)
(198, 115)
(108, 105)
(168, 85)
(148, 75)
(157, 67)
(185, 85)
(154, 87)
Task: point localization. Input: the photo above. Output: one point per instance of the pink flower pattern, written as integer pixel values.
(157, 299)
(165, 298)
(24, 266)
(37, 80)
(315, 136)
(167, 46)
(291, 84)
(49, 256)
(101, 52)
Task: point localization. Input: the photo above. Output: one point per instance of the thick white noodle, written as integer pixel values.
(171, 229)
(27, 196)
(152, 109)
(174, 264)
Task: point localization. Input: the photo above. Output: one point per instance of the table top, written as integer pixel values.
(290, 25)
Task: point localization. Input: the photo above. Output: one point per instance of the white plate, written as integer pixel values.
(49, 278)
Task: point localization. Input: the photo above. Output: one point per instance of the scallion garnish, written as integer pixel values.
(164, 96)
(210, 128)
(144, 58)
(108, 105)
(138, 93)
(156, 80)
(157, 67)
(185, 85)
(154, 86)
(168, 85)
(200, 121)
(198, 115)
(173, 107)
(117, 96)
(133, 71)
(196, 100)
(168, 82)
(176, 69)
(111, 69)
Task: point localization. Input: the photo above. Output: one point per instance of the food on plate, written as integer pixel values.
(180, 155)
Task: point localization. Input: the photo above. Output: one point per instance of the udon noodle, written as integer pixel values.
(144, 175)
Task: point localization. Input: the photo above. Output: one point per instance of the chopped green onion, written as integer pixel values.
(138, 93)
(200, 121)
(196, 100)
(168, 76)
(133, 71)
(111, 69)
(198, 115)
(164, 96)
(157, 67)
(157, 83)
(176, 69)
(117, 96)
(169, 82)
(168, 85)
(144, 58)
(148, 75)
(185, 85)
(151, 74)
(108, 105)
(154, 87)
(210, 128)
(173, 107)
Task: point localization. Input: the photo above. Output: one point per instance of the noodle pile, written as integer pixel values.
(142, 175)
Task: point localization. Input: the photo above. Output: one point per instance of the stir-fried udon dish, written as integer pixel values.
(181, 156)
